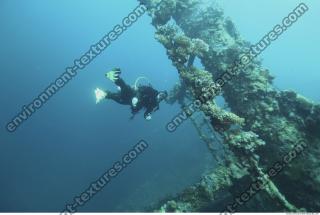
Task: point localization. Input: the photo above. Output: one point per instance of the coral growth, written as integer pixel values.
(262, 125)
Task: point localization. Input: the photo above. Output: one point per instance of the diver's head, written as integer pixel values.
(162, 96)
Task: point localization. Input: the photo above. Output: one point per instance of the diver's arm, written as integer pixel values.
(149, 111)
(148, 114)
(120, 83)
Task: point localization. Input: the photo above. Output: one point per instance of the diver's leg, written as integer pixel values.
(124, 87)
(115, 97)
(127, 93)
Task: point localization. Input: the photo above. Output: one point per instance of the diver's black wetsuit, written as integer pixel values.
(146, 95)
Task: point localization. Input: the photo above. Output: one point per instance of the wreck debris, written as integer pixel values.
(263, 124)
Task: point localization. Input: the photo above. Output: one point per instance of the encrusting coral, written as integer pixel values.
(262, 125)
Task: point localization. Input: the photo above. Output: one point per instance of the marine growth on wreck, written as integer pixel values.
(261, 126)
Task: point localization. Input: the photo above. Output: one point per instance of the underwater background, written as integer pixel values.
(71, 141)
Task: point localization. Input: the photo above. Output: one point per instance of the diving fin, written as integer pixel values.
(100, 95)
(113, 75)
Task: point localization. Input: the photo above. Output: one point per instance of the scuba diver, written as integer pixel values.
(141, 97)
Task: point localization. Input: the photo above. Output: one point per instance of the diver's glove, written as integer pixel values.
(100, 95)
(114, 74)
(148, 117)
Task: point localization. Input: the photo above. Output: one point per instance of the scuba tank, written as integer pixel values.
(136, 83)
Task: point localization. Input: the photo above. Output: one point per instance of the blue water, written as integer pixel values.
(71, 141)
(293, 58)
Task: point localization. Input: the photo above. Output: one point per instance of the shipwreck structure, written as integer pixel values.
(260, 128)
